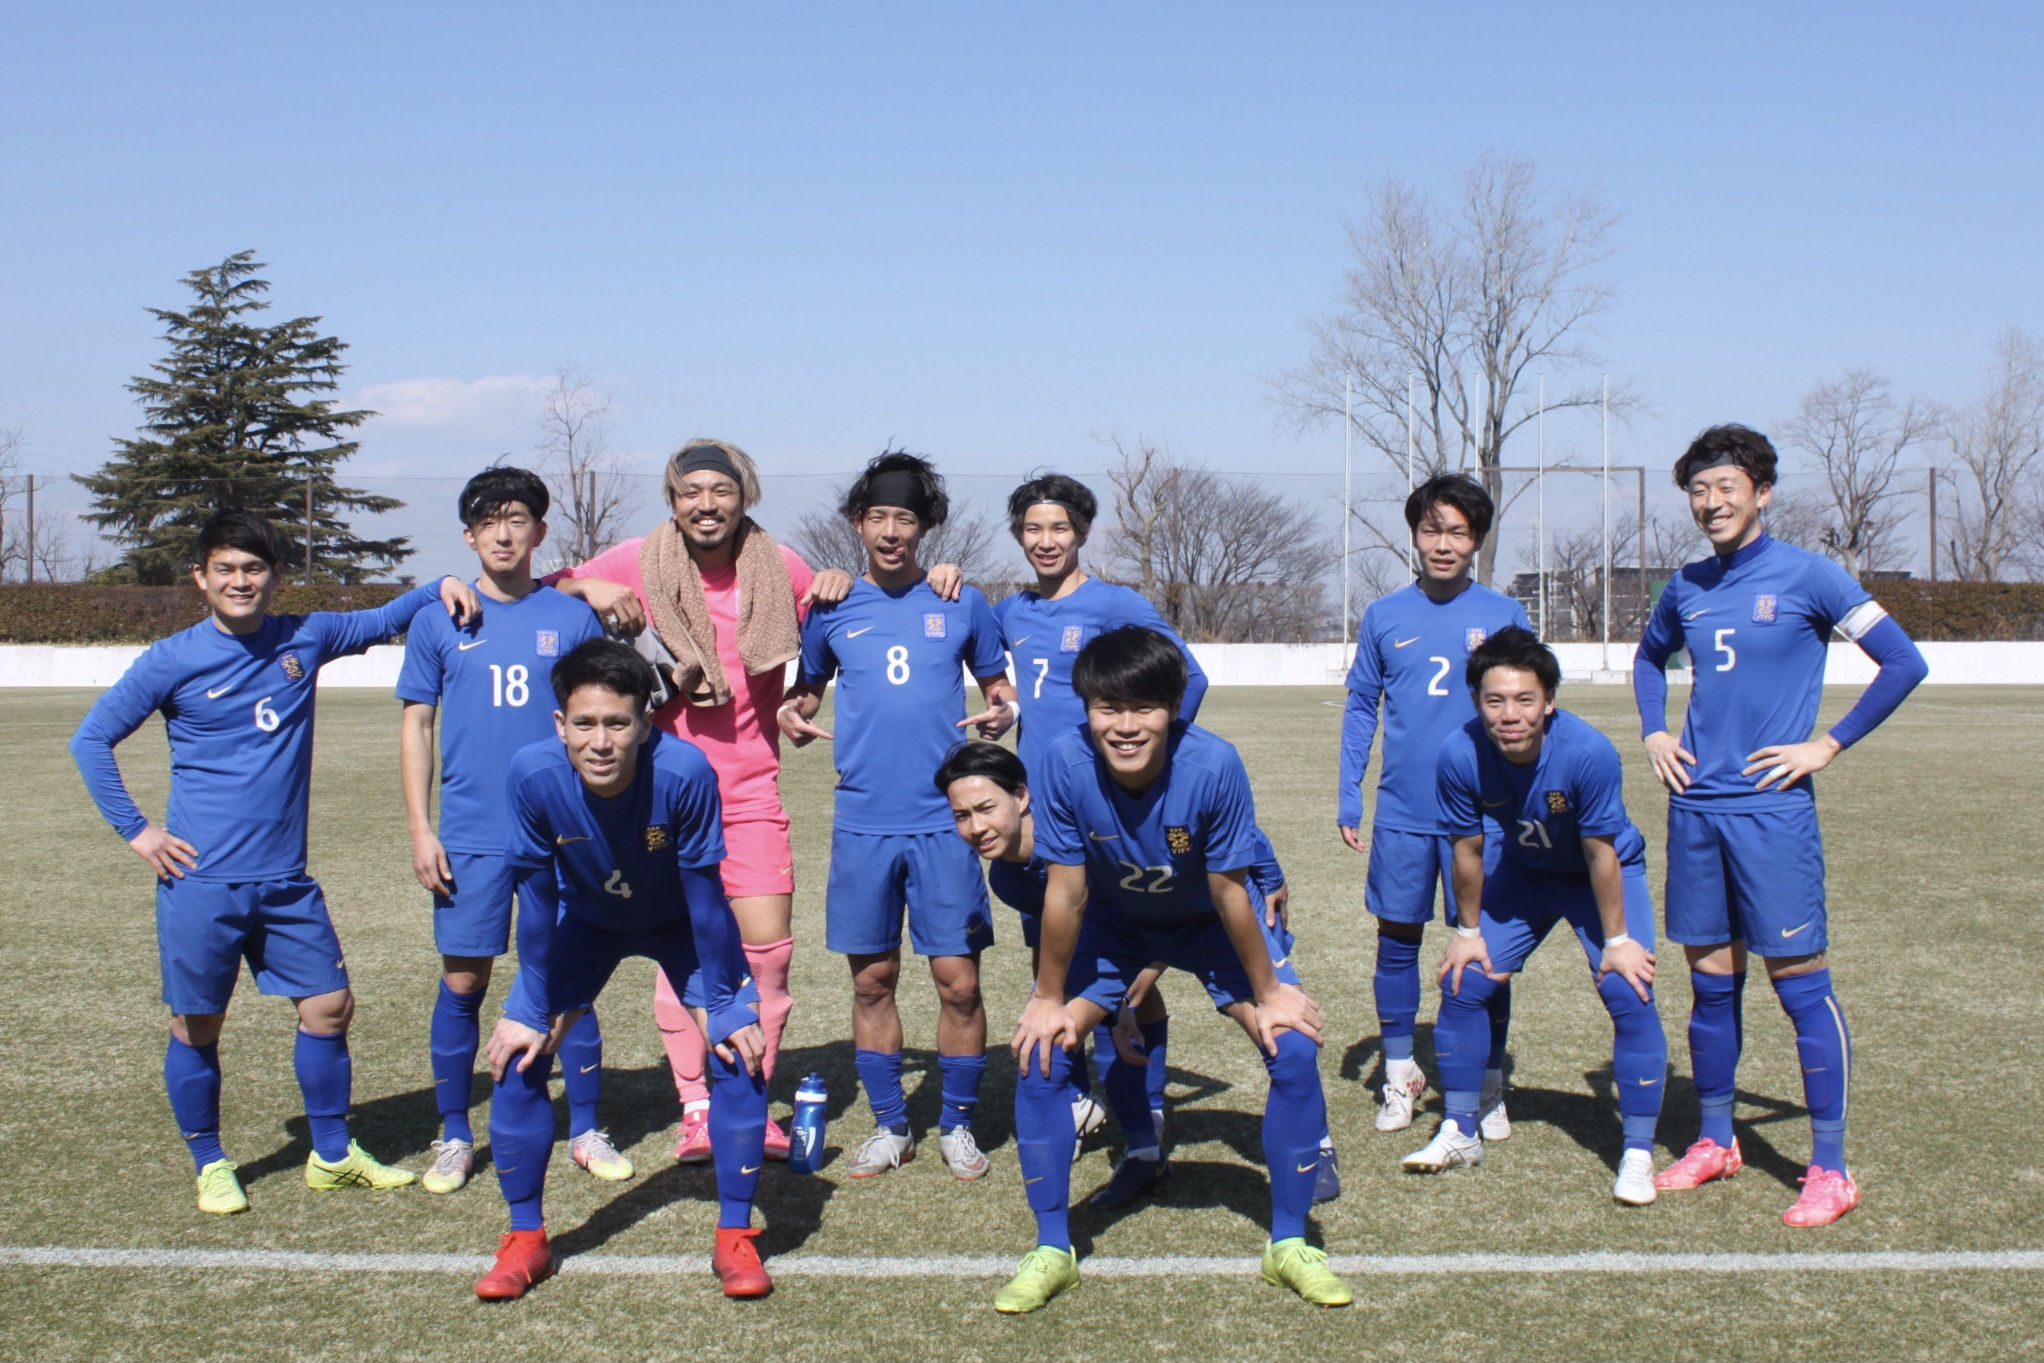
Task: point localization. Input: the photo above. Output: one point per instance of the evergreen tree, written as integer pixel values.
(235, 420)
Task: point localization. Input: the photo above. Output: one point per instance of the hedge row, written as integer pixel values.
(79, 613)
(1933, 611)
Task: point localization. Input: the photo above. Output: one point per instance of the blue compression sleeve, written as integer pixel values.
(1396, 982)
(1195, 686)
(1462, 1046)
(738, 1114)
(1294, 1118)
(719, 950)
(1128, 1091)
(1043, 1146)
(581, 1053)
(1639, 1059)
(1902, 670)
(1716, 1036)
(539, 909)
(345, 632)
(453, 1038)
(522, 1139)
(1825, 1047)
(1358, 730)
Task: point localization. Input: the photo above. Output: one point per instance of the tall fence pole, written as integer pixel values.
(1604, 511)
(1540, 518)
(1348, 494)
(1933, 523)
(308, 529)
(1411, 443)
(28, 567)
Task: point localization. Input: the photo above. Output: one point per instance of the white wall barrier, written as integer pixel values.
(1959, 664)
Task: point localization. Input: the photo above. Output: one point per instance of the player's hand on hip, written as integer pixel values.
(1354, 838)
(1671, 761)
(461, 600)
(1128, 1037)
(1463, 952)
(993, 721)
(827, 588)
(1286, 1009)
(946, 580)
(514, 1041)
(429, 863)
(1044, 1023)
(1788, 763)
(167, 854)
(746, 1047)
(1632, 961)
(1277, 907)
(799, 731)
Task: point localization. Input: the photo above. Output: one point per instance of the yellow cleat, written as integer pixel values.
(219, 1190)
(593, 1151)
(359, 1170)
(1295, 1264)
(1045, 1272)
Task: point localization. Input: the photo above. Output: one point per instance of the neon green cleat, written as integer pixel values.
(454, 1161)
(593, 1151)
(1045, 1272)
(1295, 1264)
(219, 1190)
(359, 1170)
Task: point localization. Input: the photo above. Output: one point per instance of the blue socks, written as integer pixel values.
(191, 1075)
(1128, 1093)
(1639, 1060)
(326, 1077)
(880, 1076)
(1500, 1025)
(961, 1075)
(1294, 1116)
(1462, 1045)
(522, 1140)
(1717, 1032)
(455, 1036)
(1156, 1041)
(1826, 1051)
(738, 1114)
(1397, 988)
(581, 1055)
(1043, 1145)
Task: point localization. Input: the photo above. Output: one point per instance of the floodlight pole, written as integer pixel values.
(1411, 440)
(1604, 506)
(28, 567)
(1348, 437)
(1540, 517)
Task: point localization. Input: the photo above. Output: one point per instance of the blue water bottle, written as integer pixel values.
(805, 1142)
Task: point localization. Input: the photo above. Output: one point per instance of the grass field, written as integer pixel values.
(1934, 901)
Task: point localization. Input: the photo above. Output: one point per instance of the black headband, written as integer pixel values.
(709, 457)
(898, 487)
(1717, 461)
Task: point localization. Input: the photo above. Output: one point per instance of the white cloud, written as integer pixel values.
(495, 403)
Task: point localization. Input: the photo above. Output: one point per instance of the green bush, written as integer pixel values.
(83, 613)
(1951, 611)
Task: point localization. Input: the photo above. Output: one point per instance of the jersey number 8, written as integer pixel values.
(897, 664)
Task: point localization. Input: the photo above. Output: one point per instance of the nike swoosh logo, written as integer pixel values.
(1790, 932)
(1691, 615)
(215, 695)
(753, 1170)
(1279, 962)
(512, 1169)
(1023, 640)
(1493, 804)
(463, 648)
(563, 842)
(855, 633)
(1401, 643)
(587, 1068)
(784, 870)
(1309, 1168)
(1107, 837)
(1027, 1181)
(1648, 1083)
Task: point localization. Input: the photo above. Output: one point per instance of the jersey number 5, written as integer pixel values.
(1731, 657)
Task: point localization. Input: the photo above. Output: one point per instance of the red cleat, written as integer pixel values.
(524, 1260)
(736, 1263)
(1700, 1163)
(776, 1140)
(1827, 1195)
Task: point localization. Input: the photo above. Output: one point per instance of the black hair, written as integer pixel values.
(1076, 498)
(1132, 663)
(243, 530)
(976, 757)
(614, 666)
(1458, 490)
(499, 486)
(1740, 446)
(1515, 648)
(898, 474)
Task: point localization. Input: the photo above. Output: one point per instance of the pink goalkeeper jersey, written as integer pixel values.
(740, 738)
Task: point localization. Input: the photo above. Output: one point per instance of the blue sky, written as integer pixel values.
(992, 233)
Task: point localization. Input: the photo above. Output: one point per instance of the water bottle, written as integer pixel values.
(805, 1142)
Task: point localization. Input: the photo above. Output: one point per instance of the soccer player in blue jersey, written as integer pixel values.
(615, 838)
(236, 692)
(482, 682)
(899, 653)
(1149, 829)
(1549, 790)
(1410, 651)
(1745, 858)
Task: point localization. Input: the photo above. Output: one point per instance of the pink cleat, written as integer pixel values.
(694, 1145)
(1827, 1195)
(776, 1140)
(1700, 1163)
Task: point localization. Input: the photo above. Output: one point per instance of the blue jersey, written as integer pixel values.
(1147, 858)
(1410, 656)
(239, 711)
(1020, 885)
(1757, 624)
(1045, 637)
(493, 682)
(618, 858)
(1574, 789)
(899, 659)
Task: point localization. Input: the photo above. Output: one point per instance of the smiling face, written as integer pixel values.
(237, 586)
(1515, 707)
(1131, 735)
(1726, 506)
(890, 534)
(708, 506)
(1050, 541)
(1446, 544)
(988, 817)
(603, 731)
(504, 540)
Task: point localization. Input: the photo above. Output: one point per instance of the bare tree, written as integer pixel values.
(968, 537)
(13, 540)
(595, 494)
(1222, 559)
(1996, 441)
(1856, 434)
(1801, 517)
(1470, 304)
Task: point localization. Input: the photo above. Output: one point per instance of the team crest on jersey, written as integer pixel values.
(1557, 802)
(1179, 840)
(1472, 639)
(656, 837)
(548, 645)
(293, 669)
(1073, 635)
(1764, 608)
(933, 625)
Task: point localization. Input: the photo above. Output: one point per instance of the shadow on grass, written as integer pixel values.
(1592, 1120)
(1243, 1189)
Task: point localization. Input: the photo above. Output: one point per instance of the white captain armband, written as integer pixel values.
(1860, 619)
(1461, 931)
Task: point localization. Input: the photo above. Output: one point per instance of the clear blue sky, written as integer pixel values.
(990, 232)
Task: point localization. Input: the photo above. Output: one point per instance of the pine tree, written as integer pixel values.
(234, 419)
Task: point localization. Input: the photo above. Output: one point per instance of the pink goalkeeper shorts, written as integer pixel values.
(758, 858)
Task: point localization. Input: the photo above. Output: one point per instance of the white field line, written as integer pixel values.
(963, 1266)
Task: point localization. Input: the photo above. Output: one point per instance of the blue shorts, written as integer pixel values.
(1110, 954)
(936, 875)
(475, 920)
(585, 956)
(1281, 936)
(1520, 910)
(1032, 929)
(1757, 878)
(205, 929)
(1406, 869)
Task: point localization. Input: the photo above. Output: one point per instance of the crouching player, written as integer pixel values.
(1156, 815)
(615, 838)
(1553, 787)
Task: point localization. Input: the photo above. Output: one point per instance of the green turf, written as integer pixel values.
(1933, 900)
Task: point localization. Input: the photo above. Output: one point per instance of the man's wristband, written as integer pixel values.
(1616, 939)
(1461, 931)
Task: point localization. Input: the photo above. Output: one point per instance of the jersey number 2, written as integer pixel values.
(1160, 884)
(1434, 687)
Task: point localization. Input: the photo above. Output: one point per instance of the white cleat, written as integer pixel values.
(1449, 1149)
(1635, 1185)
(1491, 1120)
(1087, 1115)
(880, 1152)
(1401, 1097)
(963, 1157)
